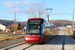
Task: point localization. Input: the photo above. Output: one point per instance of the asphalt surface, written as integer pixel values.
(62, 42)
(10, 42)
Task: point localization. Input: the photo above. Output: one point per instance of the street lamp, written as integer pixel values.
(49, 13)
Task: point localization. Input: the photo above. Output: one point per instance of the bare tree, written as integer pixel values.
(36, 10)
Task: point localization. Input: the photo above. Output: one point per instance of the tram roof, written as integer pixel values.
(35, 18)
(40, 19)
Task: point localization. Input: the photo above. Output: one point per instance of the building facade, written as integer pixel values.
(2, 27)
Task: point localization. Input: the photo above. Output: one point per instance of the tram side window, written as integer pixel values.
(42, 28)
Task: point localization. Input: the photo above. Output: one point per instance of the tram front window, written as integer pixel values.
(33, 28)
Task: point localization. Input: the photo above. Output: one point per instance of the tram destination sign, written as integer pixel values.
(34, 20)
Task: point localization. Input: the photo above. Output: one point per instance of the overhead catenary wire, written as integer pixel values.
(45, 3)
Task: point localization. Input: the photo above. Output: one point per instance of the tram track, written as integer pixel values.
(53, 44)
(17, 45)
(7, 48)
(27, 47)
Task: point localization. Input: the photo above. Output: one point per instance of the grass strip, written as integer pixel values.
(3, 38)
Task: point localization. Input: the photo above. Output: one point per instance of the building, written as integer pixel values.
(2, 27)
(69, 26)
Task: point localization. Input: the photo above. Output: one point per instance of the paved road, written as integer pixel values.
(11, 42)
(69, 43)
(62, 42)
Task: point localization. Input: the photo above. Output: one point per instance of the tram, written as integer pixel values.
(39, 30)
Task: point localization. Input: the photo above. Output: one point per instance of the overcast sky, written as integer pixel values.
(62, 9)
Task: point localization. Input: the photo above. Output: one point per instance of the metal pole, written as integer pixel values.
(15, 18)
(39, 14)
(48, 17)
(73, 21)
(62, 23)
(49, 13)
(15, 21)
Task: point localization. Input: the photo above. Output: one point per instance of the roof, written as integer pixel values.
(2, 25)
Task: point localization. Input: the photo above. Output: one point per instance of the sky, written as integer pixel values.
(62, 9)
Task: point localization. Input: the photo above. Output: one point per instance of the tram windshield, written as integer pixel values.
(34, 27)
